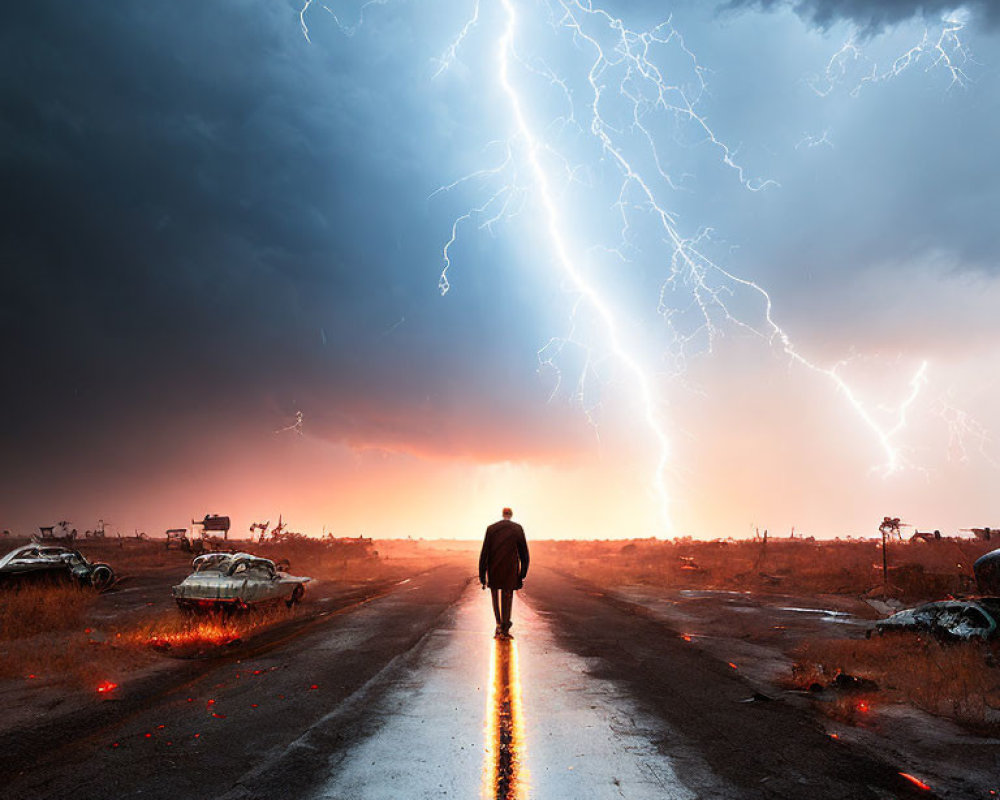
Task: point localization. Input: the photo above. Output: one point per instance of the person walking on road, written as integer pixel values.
(503, 566)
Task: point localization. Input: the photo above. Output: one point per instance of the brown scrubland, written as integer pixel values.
(72, 636)
(956, 680)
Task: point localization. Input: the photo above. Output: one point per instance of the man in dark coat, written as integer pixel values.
(503, 565)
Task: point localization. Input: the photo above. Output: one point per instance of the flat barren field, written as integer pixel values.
(641, 669)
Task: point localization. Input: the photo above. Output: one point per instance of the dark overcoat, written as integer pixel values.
(503, 561)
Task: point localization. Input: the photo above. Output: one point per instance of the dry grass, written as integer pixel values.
(318, 559)
(71, 653)
(959, 680)
(916, 570)
(31, 610)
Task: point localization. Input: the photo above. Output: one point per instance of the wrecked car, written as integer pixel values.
(948, 619)
(987, 572)
(41, 562)
(231, 581)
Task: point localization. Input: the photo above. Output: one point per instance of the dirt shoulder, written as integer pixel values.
(772, 749)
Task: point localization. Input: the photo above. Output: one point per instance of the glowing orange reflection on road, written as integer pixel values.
(503, 768)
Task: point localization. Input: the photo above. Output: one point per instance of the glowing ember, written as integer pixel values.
(915, 781)
(733, 665)
(106, 686)
(863, 706)
(834, 735)
(218, 716)
(202, 633)
(314, 686)
(32, 676)
(686, 637)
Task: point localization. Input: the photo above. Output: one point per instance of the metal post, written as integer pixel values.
(885, 563)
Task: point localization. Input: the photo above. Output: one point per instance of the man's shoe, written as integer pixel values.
(498, 633)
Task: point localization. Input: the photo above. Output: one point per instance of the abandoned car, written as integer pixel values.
(230, 581)
(40, 562)
(987, 571)
(948, 619)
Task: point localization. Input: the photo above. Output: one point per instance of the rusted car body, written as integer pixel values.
(948, 619)
(43, 562)
(987, 571)
(231, 581)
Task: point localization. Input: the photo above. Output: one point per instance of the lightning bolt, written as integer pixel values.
(945, 51)
(583, 287)
(962, 429)
(295, 427)
(694, 296)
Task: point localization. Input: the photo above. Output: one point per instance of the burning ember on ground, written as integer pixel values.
(209, 632)
(915, 781)
(106, 686)
(193, 636)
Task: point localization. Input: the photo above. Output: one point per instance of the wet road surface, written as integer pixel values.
(409, 696)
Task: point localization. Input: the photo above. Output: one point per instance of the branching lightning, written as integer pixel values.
(963, 431)
(581, 285)
(850, 63)
(696, 292)
(295, 427)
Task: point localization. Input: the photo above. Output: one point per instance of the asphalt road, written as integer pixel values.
(408, 696)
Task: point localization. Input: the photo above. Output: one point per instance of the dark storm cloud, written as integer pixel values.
(873, 15)
(197, 232)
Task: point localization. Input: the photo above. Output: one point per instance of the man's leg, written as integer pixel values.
(495, 594)
(506, 603)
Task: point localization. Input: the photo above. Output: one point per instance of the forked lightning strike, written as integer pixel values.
(568, 265)
(945, 51)
(625, 72)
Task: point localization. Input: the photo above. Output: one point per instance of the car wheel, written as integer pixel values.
(102, 577)
(297, 593)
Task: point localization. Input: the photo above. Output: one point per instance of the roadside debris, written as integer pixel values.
(34, 562)
(948, 619)
(757, 697)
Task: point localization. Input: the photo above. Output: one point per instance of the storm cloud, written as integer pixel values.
(211, 223)
(872, 16)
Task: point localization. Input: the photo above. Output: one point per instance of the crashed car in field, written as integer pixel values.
(987, 572)
(948, 619)
(40, 562)
(231, 581)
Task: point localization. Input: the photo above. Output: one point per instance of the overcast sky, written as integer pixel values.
(218, 215)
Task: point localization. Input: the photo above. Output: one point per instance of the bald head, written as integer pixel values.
(507, 513)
